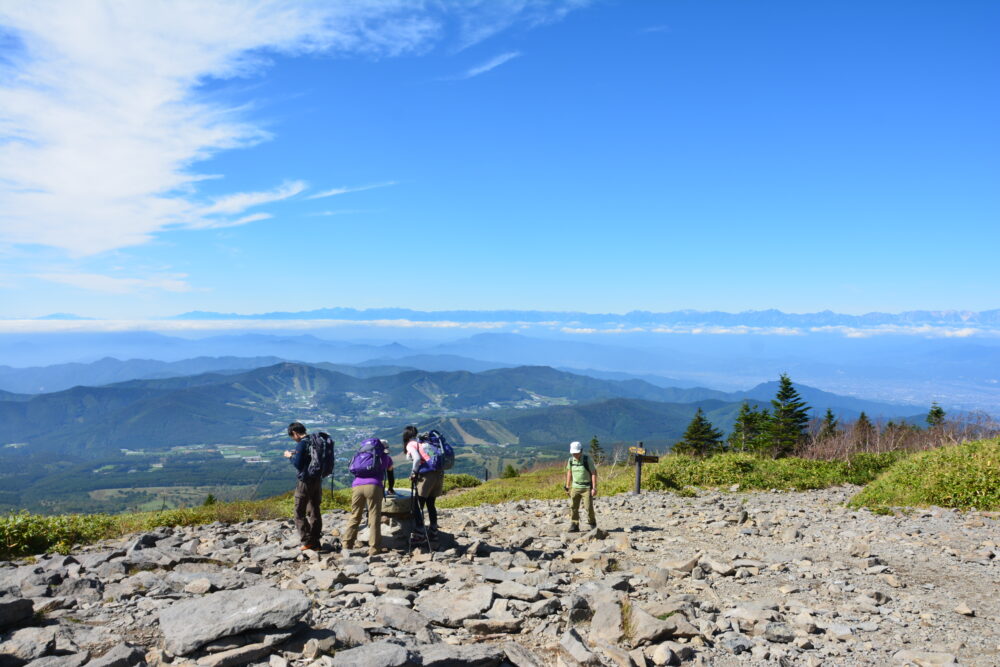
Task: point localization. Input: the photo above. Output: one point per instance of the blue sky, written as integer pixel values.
(595, 156)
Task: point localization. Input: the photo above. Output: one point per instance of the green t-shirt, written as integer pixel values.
(580, 471)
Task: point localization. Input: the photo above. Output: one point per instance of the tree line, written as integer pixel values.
(785, 428)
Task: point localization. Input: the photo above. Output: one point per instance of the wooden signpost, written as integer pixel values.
(638, 456)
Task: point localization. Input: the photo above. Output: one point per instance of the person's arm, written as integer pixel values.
(413, 451)
(593, 482)
(569, 479)
(298, 456)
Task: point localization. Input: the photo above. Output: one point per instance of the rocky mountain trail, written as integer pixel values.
(718, 579)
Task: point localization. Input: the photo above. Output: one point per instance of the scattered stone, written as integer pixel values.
(467, 655)
(520, 656)
(574, 648)
(924, 658)
(121, 655)
(376, 654)
(401, 618)
(778, 632)
(489, 626)
(964, 609)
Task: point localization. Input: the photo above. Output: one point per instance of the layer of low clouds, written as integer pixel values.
(100, 119)
(177, 284)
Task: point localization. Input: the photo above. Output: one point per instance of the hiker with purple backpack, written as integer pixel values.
(430, 455)
(369, 466)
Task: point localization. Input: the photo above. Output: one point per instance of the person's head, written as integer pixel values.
(409, 433)
(296, 431)
(576, 449)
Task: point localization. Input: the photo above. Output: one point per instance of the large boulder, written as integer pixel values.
(190, 624)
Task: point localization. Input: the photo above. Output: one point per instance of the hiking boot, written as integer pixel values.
(348, 546)
(391, 493)
(592, 525)
(432, 533)
(417, 539)
(309, 547)
(375, 552)
(574, 528)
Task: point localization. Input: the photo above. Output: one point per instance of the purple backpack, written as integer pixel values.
(367, 461)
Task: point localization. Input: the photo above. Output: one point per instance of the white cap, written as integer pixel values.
(575, 448)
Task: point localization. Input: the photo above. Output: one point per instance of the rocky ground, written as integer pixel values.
(719, 579)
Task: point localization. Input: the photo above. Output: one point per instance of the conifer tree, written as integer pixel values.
(749, 429)
(935, 416)
(789, 419)
(509, 472)
(864, 431)
(700, 438)
(829, 429)
(596, 451)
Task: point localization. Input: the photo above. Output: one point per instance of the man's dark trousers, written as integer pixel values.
(308, 521)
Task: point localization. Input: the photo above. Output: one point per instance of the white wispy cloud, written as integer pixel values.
(96, 282)
(101, 118)
(490, 64)
(333, 192)
(241, 201)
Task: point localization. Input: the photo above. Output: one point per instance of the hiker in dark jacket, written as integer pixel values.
(308, 490)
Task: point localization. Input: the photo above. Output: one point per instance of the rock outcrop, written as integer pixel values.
(720, 579)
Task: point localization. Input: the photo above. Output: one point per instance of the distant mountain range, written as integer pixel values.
(755, 318)
(533, 403)
(960, 373)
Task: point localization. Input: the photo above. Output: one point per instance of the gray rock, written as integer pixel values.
(512, 589)
(520, 656)
(544, 608)
(607, 625)
(575, 650)
(84, 589)
(735, 642)
(401, 618)
(664, 655)
(121, 655)
(376, 654)
(349, 633)
(924, 658)
(778, 632)
(29, 643)
(74, 660)
(234, 657)
(489, 626)
(448, 607)
(465, 655)
(646, 628)
(15, 611)
(192, 623)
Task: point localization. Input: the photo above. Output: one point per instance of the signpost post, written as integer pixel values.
(638, 456)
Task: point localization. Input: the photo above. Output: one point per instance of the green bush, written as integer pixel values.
(962, 476)
(675, 472)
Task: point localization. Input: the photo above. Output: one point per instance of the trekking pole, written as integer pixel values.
(414, 508)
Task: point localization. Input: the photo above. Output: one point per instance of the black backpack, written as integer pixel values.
(320, 455)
